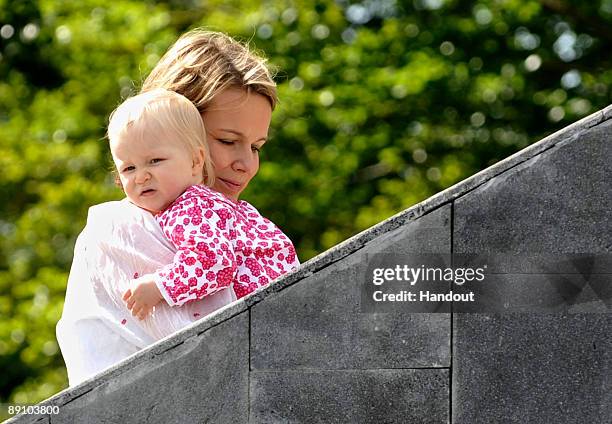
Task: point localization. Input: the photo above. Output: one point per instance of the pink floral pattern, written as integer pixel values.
(220, 243)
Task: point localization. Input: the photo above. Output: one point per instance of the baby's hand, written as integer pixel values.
(142, 297)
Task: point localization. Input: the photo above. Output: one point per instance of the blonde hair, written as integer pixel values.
(202, 63)
(158, 113)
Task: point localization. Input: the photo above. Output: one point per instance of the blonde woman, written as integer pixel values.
(234, 93)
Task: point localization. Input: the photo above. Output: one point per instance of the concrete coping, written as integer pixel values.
(332, 255)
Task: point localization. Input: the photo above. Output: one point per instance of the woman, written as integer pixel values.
(235, 95)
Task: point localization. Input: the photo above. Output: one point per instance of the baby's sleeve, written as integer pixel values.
(202, 230)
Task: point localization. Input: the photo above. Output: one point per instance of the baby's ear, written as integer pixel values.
(198, 161)
(117, 179)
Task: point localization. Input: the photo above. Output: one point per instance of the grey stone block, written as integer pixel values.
(318, 323)
(203, 379)
(525, 367)
(559, 201)
(359, 396)
(529, 368)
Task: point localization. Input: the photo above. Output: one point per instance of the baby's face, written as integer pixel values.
(154, 171)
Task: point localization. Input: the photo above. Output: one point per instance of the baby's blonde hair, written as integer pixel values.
(202, 63)
(158, 113)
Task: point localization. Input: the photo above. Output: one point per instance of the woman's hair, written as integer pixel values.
(201, 64)
(161, 113)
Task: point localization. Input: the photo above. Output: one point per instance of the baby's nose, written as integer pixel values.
(142, 176)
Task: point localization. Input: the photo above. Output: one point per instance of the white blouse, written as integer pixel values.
(96, 329)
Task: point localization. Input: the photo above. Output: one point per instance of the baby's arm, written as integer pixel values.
(144, 296)
(202, 230)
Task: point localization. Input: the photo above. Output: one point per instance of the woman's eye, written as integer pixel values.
(227, 142)
(256, 149)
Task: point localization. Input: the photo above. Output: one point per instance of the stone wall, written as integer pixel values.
(303, 350)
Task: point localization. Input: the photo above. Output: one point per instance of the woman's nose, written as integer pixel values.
(244, 161)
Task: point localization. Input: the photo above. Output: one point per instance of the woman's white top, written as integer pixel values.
(119, 242)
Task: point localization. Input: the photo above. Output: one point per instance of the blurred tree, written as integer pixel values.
(383, 103)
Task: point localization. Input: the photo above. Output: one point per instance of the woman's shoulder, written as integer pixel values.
(120, 222)
(107, 206)
(116, 210)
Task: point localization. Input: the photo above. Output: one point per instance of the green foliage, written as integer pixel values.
(382, 105)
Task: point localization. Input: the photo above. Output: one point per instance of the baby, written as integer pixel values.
(158, 144)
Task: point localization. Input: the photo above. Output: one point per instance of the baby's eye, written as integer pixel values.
(156, 160)
(128, 168)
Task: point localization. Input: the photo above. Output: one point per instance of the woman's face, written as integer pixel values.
(237, 126)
